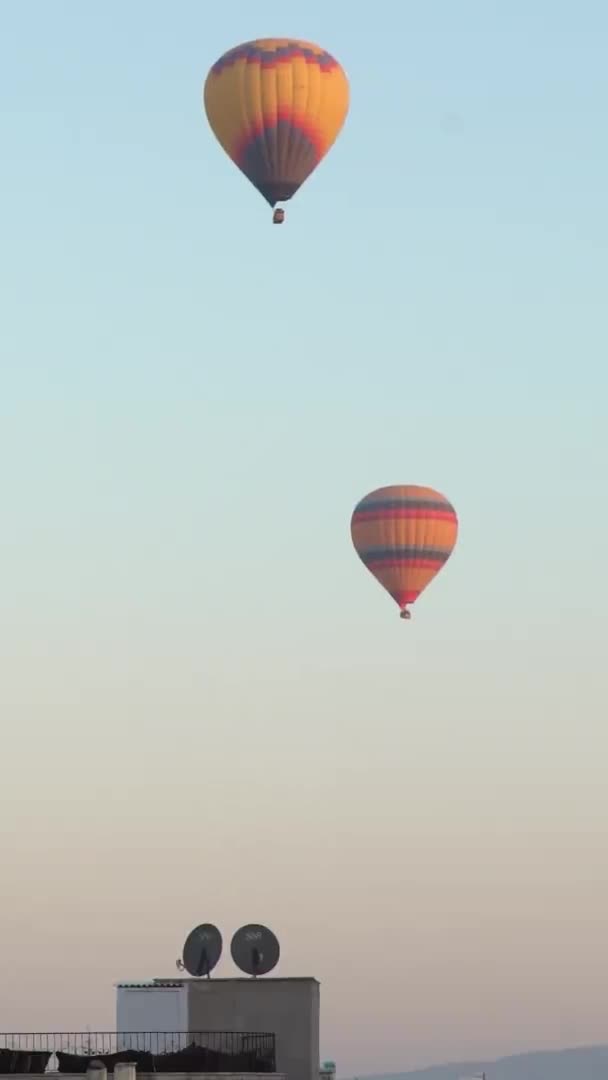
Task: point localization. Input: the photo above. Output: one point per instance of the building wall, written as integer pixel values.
(287, 1007)
(151, 1008)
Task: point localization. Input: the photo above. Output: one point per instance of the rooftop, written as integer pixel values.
(172, 982)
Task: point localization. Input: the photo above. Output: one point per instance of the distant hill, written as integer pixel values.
(588, 1063)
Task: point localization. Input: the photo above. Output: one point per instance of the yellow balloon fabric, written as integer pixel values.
(276, 105)
(404, 535)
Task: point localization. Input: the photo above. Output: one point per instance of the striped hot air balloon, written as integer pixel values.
(404, 535)
(276, 105)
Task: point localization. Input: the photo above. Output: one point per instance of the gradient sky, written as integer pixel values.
(210, 709)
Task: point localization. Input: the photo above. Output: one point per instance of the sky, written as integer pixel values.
(211, 711)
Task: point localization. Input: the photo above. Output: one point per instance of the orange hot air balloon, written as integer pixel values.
(276, 105)
(404, 535)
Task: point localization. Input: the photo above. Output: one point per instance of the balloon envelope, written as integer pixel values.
(404, 534)
(276, 105)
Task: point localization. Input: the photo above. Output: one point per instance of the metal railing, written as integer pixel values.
(151, 1051)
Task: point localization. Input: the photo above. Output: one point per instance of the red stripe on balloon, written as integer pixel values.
(396, 564)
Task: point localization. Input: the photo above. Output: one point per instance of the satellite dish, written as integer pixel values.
(202, 950)
(255, 949)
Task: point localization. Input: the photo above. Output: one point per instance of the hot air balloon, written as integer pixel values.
(276, 105)
(404, 535)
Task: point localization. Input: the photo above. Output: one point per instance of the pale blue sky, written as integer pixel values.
(199, 677)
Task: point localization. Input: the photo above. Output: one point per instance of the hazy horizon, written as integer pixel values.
(212, 711)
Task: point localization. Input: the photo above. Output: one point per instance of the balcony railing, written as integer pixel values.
(151, 1051)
